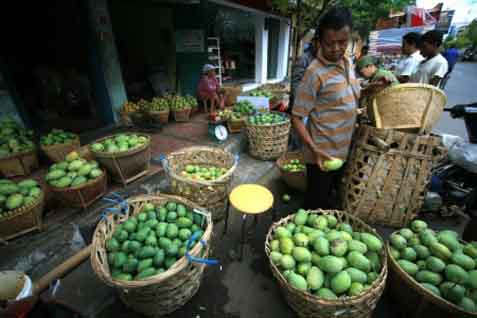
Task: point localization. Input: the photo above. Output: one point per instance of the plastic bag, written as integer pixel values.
(461, 153)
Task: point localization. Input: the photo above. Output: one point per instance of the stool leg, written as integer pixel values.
(227, 212)
(243, 238)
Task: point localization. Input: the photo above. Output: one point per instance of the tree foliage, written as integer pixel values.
(465, 39)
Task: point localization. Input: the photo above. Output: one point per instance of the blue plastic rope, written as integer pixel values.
(191, 258)
(115, 199)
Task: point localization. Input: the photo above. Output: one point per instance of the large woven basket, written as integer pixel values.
(295, 180)
(182, 115)
(126, 166)
(161, 117)
(307, 305)
(83, 195)
(407, 106)
(387, 174)
(416, 301)
(23, 220)
(58, 152)
(210, 194)
(268, 142)
(19, 164)
(160, 294)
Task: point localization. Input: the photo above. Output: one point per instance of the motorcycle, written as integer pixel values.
(470, 54)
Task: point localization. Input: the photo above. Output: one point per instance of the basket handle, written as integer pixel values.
(194, 259)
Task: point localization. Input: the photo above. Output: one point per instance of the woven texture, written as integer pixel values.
(268, 142)
(182, 115)
(19, 164)
(407, 106)
(211, 194)
(236, 126)
(161, 117)
(160, 294)
(386, 177)
(83, 195)
(296, 180)
(126, 166)
(307, 305)
(416, 301)
(24, 220)
(58, 152)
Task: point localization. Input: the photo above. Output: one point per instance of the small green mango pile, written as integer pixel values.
(57, 136)
(14, 138)
(267, 119)
(328, 259)
(158, 104)
(178, 102)
(191, 101)
(294, 165)
(197, 172)
(261, 92)
(438, 261)
(73, 172)
(16, 195)
(150, 242)
(120, 143)
(244, 107)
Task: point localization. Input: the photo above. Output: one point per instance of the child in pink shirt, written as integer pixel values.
(208, 88)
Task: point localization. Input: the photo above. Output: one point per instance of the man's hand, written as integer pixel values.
(320, 158)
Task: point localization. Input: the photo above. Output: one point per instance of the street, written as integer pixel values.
(460, 89)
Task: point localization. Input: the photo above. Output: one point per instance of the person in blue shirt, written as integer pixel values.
(451, 55)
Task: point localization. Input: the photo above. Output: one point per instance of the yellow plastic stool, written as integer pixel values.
(249, 199)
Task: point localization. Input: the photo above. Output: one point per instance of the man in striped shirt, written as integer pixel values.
(328, 95)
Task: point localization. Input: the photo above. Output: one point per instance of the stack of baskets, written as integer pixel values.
(23, 220)
(307, 305)
(210, 194)
(160, 294)
(268, 142)
(58, 152)
(19, 164)
(126, 166)
(386, 177)
(161, 117)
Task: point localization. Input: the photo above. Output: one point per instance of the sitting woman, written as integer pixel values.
(208, 89)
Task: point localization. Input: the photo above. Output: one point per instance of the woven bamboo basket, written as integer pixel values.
(58, 152)
(19, 164)
(85, 152)
(23, 220)
(83, 195)
(160, 294)
(182, 115)
(295, 180)
(235, 126)
(127, 166)
(416, 301)
(387, 174)
(307, 305)
(268, 142)
(161, 117)
(210, 194)
(407, 106)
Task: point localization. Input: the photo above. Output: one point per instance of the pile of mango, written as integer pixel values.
(438, 261)
(120, 143)
(294, 165)
(328, 259)
(129, 107)
(191, 101)
(179, 103)
(261, 92)
(267, 119)
(158, 104)
(14, 138)
(73, 172)
(244, 107)
(16, 195)
(57, 136)
(197, 172)
(150, 242)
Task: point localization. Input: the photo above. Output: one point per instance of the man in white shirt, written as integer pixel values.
(433, 69)
(412, 57)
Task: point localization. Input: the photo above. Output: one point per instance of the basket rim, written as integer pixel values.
(181, 110)
(287, 121)
(102, 154)
(321, 301)
(25, 209)
(81, 186)
(427, 293)
(19, 154)
(179, 265)
(224, 177)
(405, 86)
(49, 147)
(281, 160)
(156, 112)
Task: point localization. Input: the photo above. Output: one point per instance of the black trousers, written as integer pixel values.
(320, 186)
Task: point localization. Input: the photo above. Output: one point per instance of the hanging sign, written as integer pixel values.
(261, 104)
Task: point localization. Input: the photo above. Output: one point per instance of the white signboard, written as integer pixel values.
(261, 104)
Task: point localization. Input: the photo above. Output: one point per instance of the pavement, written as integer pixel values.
(232, 289)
